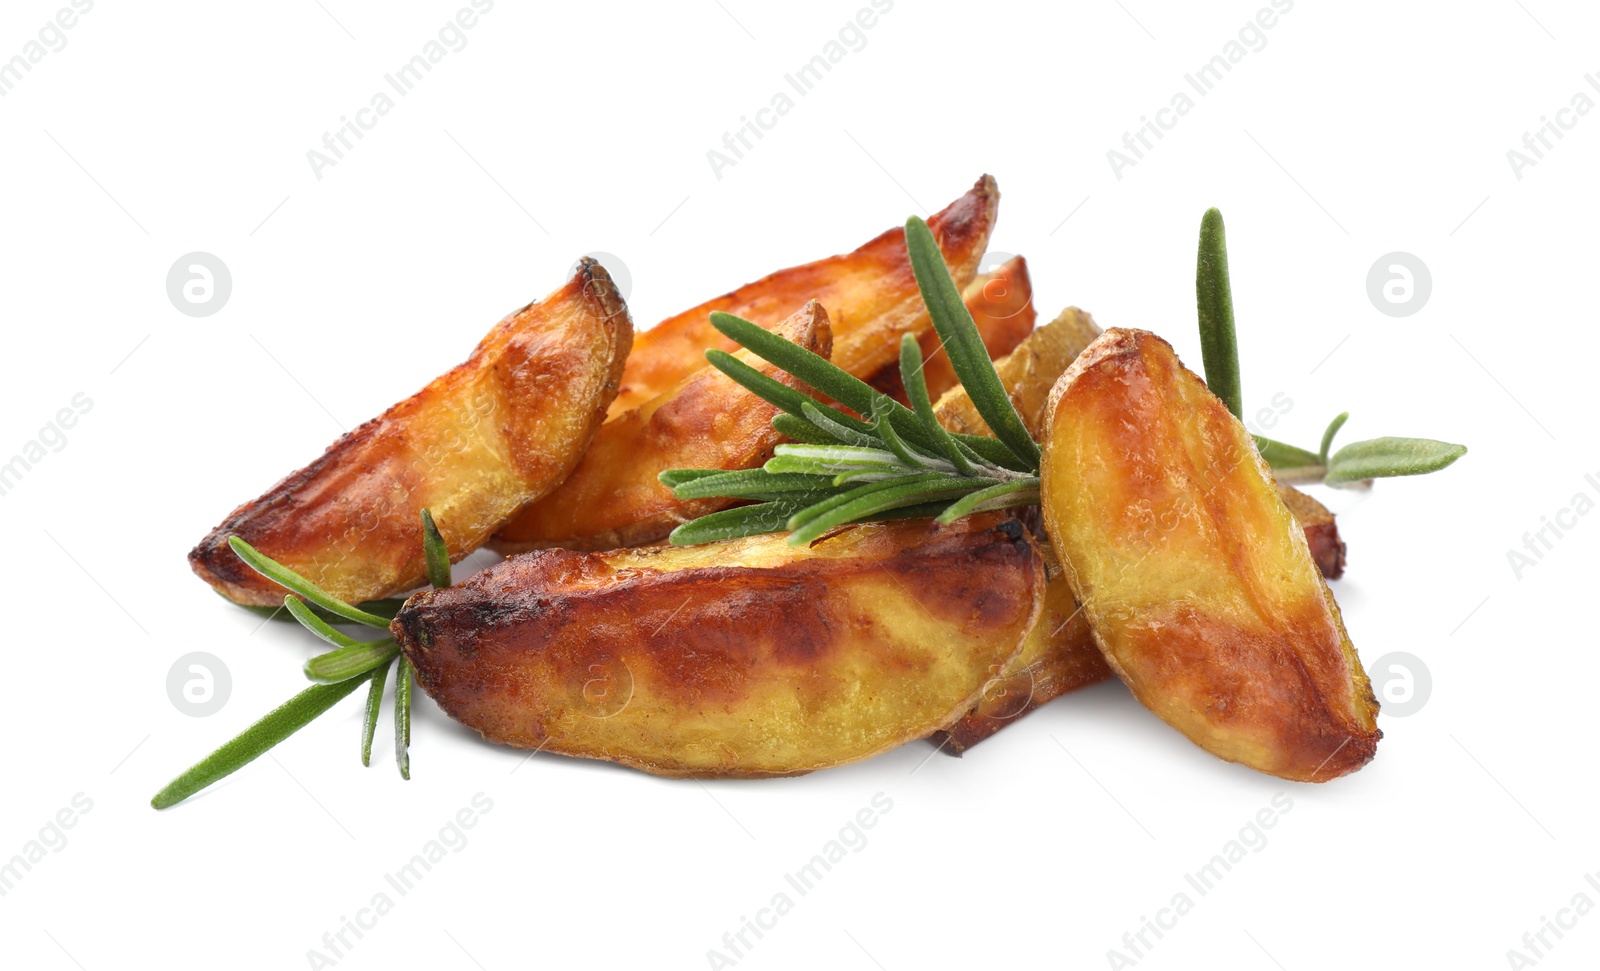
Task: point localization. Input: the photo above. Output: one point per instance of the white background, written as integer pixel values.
(1360, 128)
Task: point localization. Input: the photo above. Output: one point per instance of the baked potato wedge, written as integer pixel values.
(1059, 654)
(741, 658)
(474, 446)
(870, 294)
(705, 421)
(1196, 580)
(1001, 304)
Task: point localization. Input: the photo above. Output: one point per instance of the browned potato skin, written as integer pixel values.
(706, 421)
(473, 447)
(1060, 655)
(1001, 304)
(1195, 578)
(745, 658)
(870, 293)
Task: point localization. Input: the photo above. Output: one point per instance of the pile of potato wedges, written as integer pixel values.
(1162, 552)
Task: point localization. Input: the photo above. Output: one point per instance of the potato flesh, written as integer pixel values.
(614, 499)
(743, 658)
(870, 293)
(473, 447)
(1196, 580)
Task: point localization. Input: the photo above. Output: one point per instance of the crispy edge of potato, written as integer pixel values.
(746, 658)
(870, 292)
(474, 446)
(1257, 669)
(1322, 530)
(1001, 304)
(614, 499)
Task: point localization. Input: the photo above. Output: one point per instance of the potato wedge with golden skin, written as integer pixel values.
(870, 294)
(706, 421)
(1196, 579)
(743, 658)
(1001, 304)
(474, 446)
(1060, 655)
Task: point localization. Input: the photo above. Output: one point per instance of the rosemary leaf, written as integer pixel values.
(819, 459)
(916, 385)
(828, 505)
(672, 478)
(736, 523)
(386, 608)
(351, 662)
(753, 484)
(882, 500)
(253, 742)
(435, 553)
(310, 621)
(369, 724)
(1018, 492)
(1283, 457)
(818, 417)
(1219, 346)
(911, 457)
(800, 430)
(287, 578)
(402, 718)
(1386, 457)
(964, 345)
(1333, 429)
(816, 371)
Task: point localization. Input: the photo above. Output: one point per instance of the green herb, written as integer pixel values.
(1219, 348)
(341, 671)
(1356, 463)
(253, 742)
(369, 724)
(842, 469)
(435, 553)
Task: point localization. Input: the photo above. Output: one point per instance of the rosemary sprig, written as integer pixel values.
(338, 673)
(1355, 464)
(883, 461)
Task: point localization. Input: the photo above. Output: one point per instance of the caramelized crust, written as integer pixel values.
(705, 421)
(870, 293)
(741, 658)
(473, 447)
(1195, 578)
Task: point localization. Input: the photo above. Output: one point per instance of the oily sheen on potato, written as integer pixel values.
(705, 421)
(741, 658)
(473, 447)
(870, 293)
(1195, 578)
